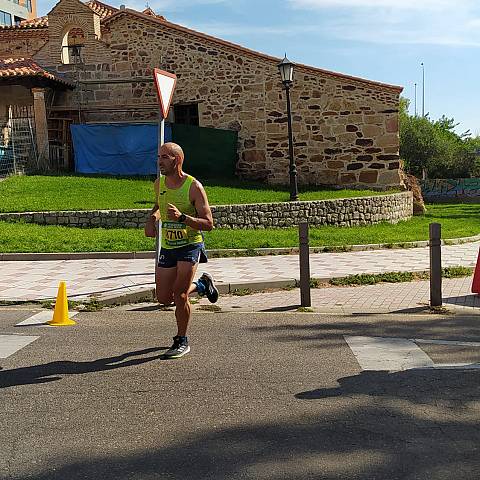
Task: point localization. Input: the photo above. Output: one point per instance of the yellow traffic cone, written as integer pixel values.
(60, 314)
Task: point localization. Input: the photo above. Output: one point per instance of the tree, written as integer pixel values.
(433, 149)
(418, 141)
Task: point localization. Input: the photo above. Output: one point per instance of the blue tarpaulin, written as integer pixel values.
(119, 149)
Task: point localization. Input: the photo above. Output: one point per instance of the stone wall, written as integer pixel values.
(345, 212)
(22, 43)
(451, 190)
(342, 212)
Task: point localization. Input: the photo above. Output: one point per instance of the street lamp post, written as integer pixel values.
(286, 73)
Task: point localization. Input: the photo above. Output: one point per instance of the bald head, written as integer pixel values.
(170, 159)
(174, 150)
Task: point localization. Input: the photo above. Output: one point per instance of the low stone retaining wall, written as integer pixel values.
(451, 190)
(342, 212)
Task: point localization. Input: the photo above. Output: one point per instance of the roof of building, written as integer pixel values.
(109, 14)
(151, 13)
(11, 68)
(242, 50)
(101, 9)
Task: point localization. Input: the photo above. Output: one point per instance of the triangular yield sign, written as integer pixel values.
(165, 83)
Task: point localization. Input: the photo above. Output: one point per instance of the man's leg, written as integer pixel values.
(164, 281)
(182, 288)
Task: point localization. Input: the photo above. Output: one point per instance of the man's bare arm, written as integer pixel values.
(204, 219)
(154, 212)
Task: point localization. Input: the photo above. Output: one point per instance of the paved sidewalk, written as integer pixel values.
(408, 297)
(38, 280)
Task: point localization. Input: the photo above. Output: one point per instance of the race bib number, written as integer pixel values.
(175, 234)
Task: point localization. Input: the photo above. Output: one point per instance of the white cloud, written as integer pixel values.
(391, 4)
(230, 30)
(433, 22)
(160, 6)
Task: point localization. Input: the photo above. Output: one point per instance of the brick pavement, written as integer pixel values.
(381, 298)
(38, 280)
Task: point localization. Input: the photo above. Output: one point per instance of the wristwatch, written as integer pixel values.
(182, 217)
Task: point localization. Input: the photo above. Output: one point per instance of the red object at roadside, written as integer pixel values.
(476, 277)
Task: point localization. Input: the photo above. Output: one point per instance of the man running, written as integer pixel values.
(183, 208)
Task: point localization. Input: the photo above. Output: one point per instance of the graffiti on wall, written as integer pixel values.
(451, 188)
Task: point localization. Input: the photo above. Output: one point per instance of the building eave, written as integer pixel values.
(246, 51)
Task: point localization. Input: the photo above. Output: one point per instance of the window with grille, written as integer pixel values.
(5, 18)
(186, 114)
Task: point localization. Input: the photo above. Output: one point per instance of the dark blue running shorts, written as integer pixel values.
(195, 253)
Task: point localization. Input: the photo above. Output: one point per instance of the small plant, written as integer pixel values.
(210, 308)
(373, 278)
(441, 310)
(241, 292)
(305, 310)
(456, 272)
(91, 306)
(6, 303)
(314, 283)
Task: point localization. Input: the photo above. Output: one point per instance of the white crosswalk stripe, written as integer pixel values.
(397, 354)
(9, 344)
(40, 319)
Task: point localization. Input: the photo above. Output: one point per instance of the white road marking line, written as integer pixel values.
(397, 354)
(456, 366)
(391, 354)
(9, 344)
(40, 319)
(447, 342)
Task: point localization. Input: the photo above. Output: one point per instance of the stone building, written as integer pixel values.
(345, 128)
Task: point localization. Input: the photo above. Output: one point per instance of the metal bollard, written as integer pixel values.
(305, 298)
(435, 265)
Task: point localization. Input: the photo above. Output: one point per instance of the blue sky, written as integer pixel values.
(383, 40)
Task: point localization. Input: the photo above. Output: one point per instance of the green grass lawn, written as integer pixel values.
(48, 193)
(458, 220)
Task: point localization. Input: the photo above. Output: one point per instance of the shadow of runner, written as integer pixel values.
(50, 372)
(423, 386)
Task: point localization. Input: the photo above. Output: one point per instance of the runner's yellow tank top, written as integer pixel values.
(177, 234)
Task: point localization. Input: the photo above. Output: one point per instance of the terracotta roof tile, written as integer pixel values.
(26, 67)
(151, 13)
(101, 9)
(40, 22)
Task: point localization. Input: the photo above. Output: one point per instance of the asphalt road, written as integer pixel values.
(261, 396)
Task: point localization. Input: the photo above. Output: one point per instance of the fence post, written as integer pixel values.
(435, 265)
(305, 298)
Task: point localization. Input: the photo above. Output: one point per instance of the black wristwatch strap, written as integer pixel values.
(182, 217)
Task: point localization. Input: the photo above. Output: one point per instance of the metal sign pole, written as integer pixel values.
(161, 141)
(165, 84)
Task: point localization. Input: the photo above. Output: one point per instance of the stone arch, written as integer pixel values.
(73, 38)
(61, 27)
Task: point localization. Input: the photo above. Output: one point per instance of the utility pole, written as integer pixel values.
(415, 99)
(423, 89)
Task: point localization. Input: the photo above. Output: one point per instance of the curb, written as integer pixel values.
(226, 253)
(148, 294)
